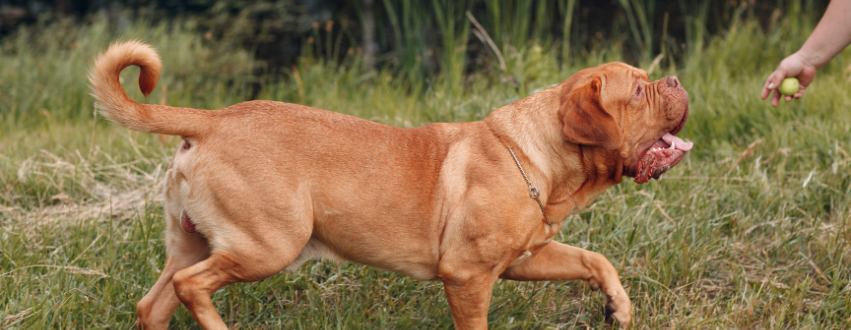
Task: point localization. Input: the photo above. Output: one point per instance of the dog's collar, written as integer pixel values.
(534, 192)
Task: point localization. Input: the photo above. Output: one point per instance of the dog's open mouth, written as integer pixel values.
(665, 153)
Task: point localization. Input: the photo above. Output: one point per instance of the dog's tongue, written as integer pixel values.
(680, 144)
(661, 157)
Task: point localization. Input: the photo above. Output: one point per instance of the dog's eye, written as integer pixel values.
(638, 90)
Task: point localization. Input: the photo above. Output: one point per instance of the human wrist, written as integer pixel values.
(812, 59)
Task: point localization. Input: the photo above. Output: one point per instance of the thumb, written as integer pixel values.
(776, 77)
(773, 81)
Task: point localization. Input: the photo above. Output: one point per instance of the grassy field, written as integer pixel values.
(751, 231)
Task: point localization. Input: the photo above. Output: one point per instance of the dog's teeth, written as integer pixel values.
(673, 144)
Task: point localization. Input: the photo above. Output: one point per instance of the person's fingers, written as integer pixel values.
(788, 98)
(773, 81)
(770, 84)
(807, 75)
(800, 92)
(775, 100)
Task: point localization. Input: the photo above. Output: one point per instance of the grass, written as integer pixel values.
(751, 231)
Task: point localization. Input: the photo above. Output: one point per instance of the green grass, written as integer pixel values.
(734, 237)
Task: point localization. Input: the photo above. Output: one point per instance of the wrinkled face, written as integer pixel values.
(617, 107)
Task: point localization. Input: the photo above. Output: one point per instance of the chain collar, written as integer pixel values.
(534, 192)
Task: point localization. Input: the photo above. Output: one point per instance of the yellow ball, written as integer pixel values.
(789, 86)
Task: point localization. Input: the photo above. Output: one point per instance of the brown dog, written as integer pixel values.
(261, 186)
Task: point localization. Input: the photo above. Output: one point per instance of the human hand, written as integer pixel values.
(792, 66)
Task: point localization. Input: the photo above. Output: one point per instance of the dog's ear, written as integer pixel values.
(584, 120)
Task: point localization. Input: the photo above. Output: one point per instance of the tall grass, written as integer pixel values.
(40, 61)
(752, 230)
(411, 36)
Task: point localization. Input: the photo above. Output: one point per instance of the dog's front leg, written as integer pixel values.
(560, 262)
(469, 296)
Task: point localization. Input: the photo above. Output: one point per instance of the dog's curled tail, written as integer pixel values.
(115, 105)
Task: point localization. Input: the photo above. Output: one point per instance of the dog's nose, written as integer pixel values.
(672, 81)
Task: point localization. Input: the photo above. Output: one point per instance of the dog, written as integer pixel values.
(261, 186)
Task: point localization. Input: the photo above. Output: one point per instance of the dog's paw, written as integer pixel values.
(618, 307)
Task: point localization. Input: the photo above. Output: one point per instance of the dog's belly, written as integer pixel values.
(403, 244)
(393, 260)
(314, 249)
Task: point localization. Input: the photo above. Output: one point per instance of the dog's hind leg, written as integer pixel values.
(243, 261)
(156, 308)
(560, 262)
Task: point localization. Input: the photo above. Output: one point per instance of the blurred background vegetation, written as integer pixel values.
(421, 42)
(415, 36)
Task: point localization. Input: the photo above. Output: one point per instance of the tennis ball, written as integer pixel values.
(789, 86)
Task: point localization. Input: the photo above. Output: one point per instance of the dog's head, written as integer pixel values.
(617, 108)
